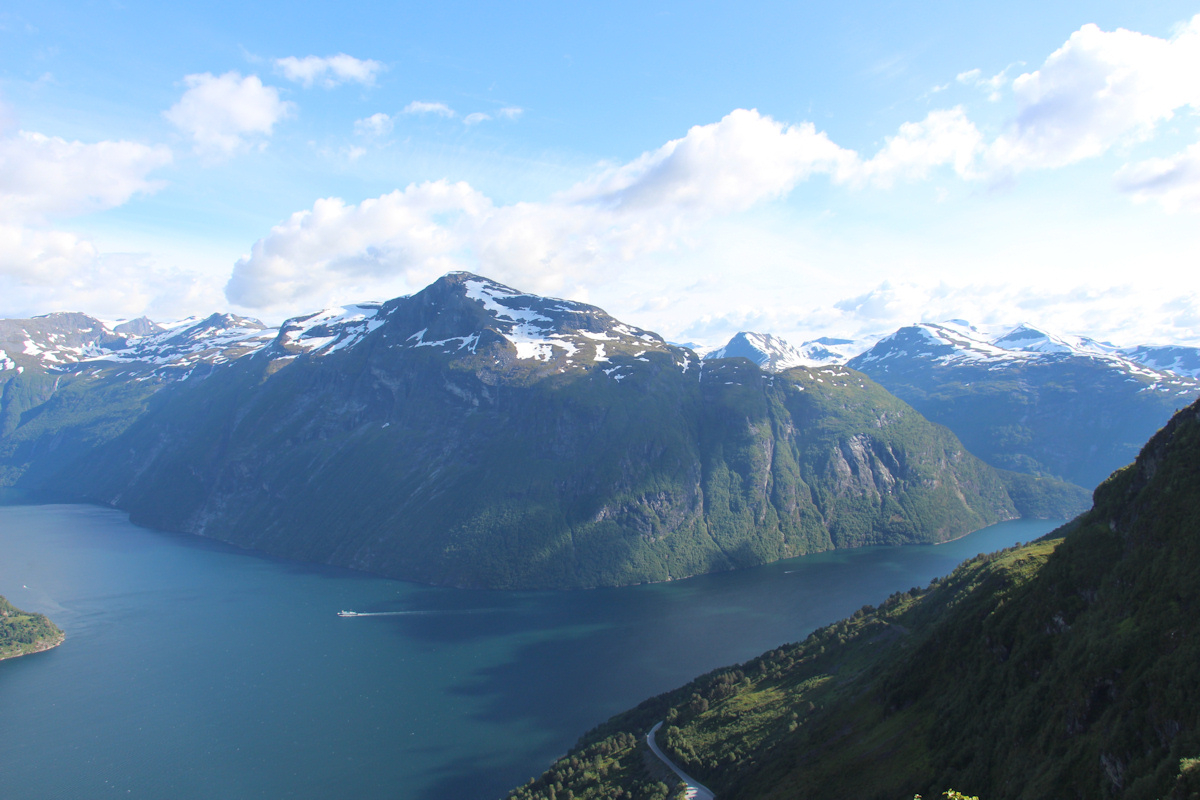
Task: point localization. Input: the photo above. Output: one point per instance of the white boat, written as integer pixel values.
(349, 614)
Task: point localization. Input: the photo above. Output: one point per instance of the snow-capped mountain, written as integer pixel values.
(60, 341)
(769, 352)
(949, 344)
(1177, 359)
(775, 354)
(1029, 400)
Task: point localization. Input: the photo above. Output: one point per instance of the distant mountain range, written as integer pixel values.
(474, 435)
(1017, 343)
(1026, 400)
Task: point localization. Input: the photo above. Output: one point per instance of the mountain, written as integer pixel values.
(774, 354)
(1030, 401)
(473, 435)
(22, 633)
(1066, 668)
(1175, 359)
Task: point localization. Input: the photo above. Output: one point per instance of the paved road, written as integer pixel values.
(695, 789)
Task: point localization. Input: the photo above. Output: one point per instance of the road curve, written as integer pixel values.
(695, 789)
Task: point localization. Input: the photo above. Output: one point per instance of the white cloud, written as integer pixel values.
(943, 137)
(510, 112)
(993, 84)
(409, 235)
(222, 114)
(50, 270)
(374, 125)
(1098, 89)
(422, 107)
(475, 118)
(329, 72)
(651, 204)
(724, 166)
(43, 177)
(1174, 182)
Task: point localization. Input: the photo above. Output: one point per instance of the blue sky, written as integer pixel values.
(694, 168)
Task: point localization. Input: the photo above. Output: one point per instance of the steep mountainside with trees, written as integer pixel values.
(1066, 668)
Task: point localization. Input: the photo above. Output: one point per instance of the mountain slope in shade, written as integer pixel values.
(1028, 401)
(473, 435)
(1066, 668)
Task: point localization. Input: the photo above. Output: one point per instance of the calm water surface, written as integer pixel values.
(195, 670)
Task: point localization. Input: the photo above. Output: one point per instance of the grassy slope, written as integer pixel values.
(1069, 667)
(22, 633)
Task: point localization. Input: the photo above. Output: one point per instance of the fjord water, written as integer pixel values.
(195, 670)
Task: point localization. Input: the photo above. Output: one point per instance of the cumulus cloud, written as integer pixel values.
(405, 234)
(330, 71)
(1174, 182)
(475, 118)
(43, 177)
(374, 125)
(510, 112)
(724, 166)
(944, 137)
(223, 114)
(422, 107)
(1097, 90)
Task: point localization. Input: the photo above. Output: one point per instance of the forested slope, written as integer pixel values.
(1069, 667)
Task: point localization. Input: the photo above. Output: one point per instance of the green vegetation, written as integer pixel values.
(1069, 667)
(22, 633)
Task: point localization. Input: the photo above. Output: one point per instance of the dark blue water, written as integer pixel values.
(194, 670)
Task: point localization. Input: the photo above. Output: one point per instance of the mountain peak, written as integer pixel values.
(772, 353)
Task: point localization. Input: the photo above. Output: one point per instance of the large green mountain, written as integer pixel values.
(1032, 402)
(471, 435)
(1066, 668)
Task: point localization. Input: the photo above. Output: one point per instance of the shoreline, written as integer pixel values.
(40, 646)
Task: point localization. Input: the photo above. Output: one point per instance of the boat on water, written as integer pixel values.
(349, 614)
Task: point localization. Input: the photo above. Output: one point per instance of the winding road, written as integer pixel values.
(695, 789)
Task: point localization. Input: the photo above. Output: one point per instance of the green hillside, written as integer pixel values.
(1069, 667)
(22, 633)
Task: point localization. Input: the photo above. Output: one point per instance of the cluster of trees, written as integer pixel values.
(22, 632)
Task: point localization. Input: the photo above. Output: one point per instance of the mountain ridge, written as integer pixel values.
(474, 435)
